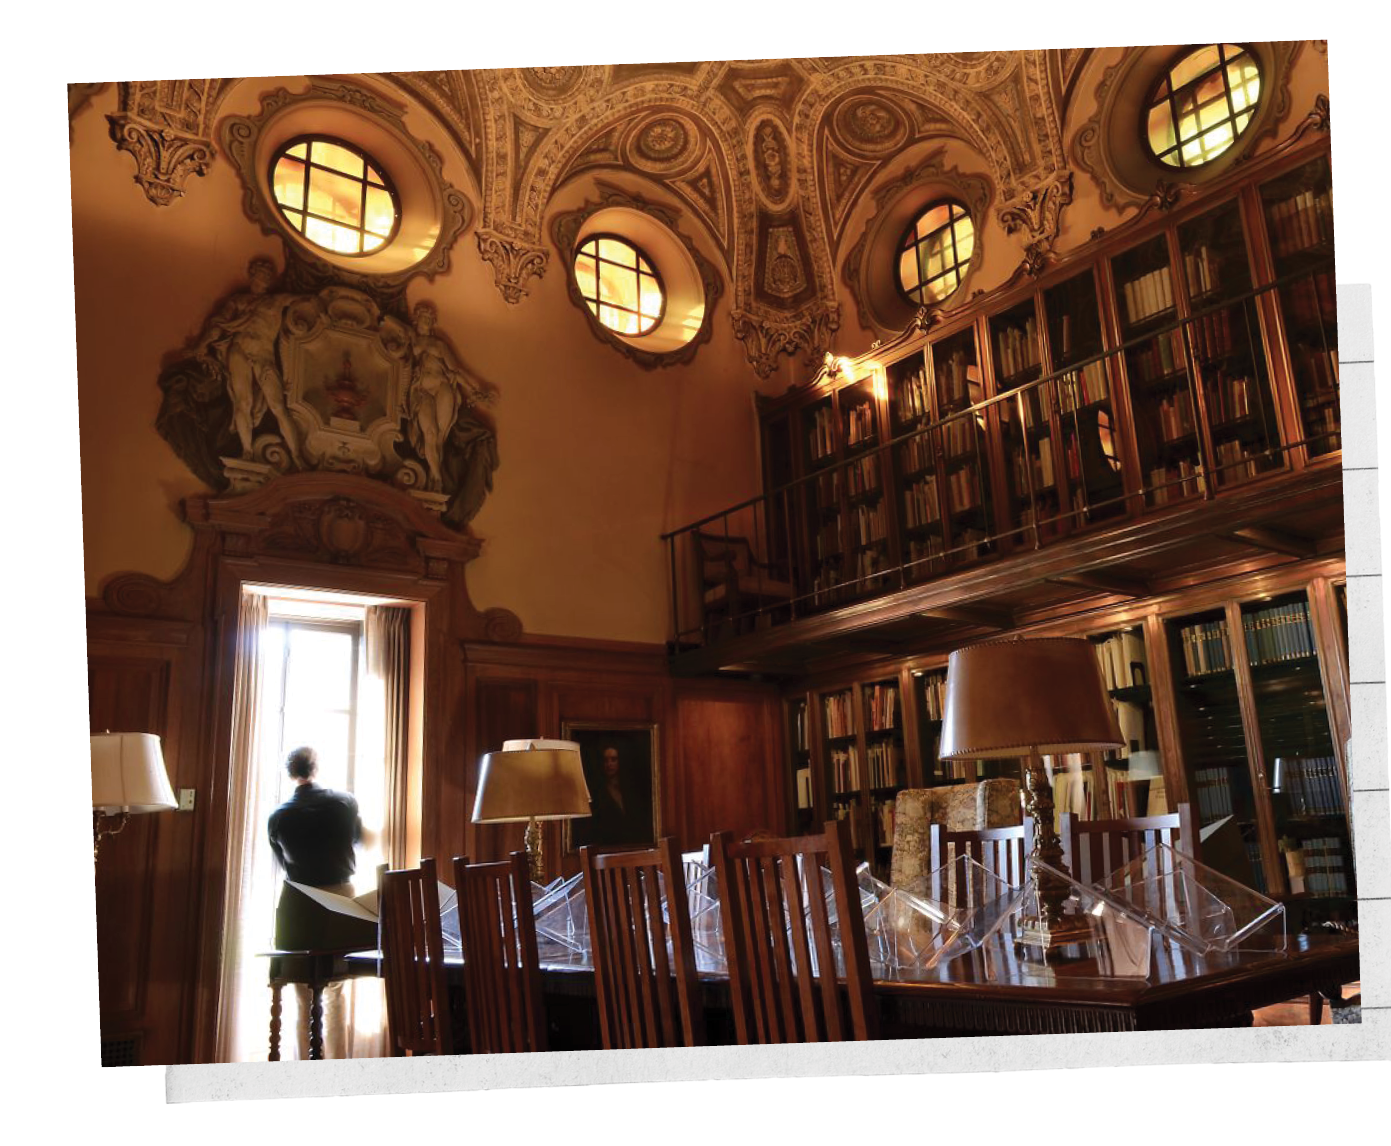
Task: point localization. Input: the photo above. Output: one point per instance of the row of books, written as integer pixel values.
(959, 436)
(1175, 480)
(1253, 853)
(828, 489)
(1130, 798)
(1123, 661)
(1228, 397)
(868, 524)
(1233, 462)
(859, 424)
(821, 435)
(953, 379)
(1041, 463)
(1301, 222)
(1315, 368)
(1212, 335)
(1213, 789)
(885, 764)
(1311, 301)
(1311, 785)
(862, 476)
(1148, 295)
(870, 569)
(968, 544)
(1325, 866)
(915, 454)
(1278, 633)
(1176, 417)
(1206, 648)
(845, 769)
(883, 707)
(963, 489)
(884, 823)
(1321, 425)
(1158, 358)
(1083, 387)
(927, 550)
(1201, 267)
(920, 506)
(934, 686)
(1016, 349)
(826, 586)
(911, 398)
(839, 710)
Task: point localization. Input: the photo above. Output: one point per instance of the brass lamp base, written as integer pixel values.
(535, 860)
(104, 825)
(1052, 927)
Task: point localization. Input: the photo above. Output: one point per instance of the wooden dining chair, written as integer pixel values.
(774, 916)
(1001, 851)
(502, 971)
(412, 945)
(1092, 849)
(647, 996)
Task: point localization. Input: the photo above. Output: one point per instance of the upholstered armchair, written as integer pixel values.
(958, 808)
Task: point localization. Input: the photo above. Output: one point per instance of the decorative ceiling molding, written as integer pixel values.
(167, 126)
(1037, 211)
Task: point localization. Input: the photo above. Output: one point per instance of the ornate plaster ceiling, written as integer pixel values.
(772, 156)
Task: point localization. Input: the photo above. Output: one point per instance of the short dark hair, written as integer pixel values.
(302, 763)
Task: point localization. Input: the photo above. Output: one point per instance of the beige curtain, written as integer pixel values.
(241, 991)
(388, 630)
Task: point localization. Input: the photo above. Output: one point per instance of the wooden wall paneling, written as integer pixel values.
(1165, 710)
(727, 758)
(146, 878)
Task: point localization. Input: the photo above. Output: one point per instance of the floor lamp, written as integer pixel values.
(1030, 698)
(531, 780)
(128, 778)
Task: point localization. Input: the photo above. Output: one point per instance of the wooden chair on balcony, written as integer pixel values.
(1092, 849)
(412, 945)
(644, 962)
(783, 979)
(502, 970)
(737, 590)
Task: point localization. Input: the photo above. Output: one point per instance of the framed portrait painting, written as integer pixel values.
(620, 768)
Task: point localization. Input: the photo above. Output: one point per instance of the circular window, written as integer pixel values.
(335, 195)
(935, 253)
(618, 283)
(1202, 104)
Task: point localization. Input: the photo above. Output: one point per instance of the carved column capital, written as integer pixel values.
(512, 262)
(164, 157)
(1038, 212)
(765, 337)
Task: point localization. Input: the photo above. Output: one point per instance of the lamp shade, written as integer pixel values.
(525, 783)
(1006, 698)
(128, 774)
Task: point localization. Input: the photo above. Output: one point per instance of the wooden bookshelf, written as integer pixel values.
(801, 789)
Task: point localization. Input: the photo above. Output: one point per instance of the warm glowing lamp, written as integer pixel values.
(531, 780)
(128, 778)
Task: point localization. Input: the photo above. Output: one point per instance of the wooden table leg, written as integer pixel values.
(275, 989)
(316, 1021)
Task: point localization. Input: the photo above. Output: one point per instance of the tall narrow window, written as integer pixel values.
(335, 195)
(1203, 102)
(936, 252)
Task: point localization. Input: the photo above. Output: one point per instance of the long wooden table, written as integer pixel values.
(992, 992)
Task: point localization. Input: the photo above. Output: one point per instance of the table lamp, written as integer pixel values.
(531, 780)
(128, 778)
(1029, 698)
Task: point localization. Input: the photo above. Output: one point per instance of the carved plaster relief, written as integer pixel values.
(167, 126)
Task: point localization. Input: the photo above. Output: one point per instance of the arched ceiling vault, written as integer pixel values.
(771, 156)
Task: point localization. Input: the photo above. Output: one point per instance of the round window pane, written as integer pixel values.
(1202, 104)
(936, 252)
(619, 285)
(335, 195)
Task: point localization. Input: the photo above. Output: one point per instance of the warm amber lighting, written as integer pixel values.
(936, 252)
(1203, 104)
(619, 285)
(334, 195)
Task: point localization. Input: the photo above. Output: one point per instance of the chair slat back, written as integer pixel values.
(644, 959)
(778, 938)
(412, 945)
(1092, 849)
(1001, 851)
(502, 970)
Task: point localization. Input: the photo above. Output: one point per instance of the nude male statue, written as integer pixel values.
(239, 344)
